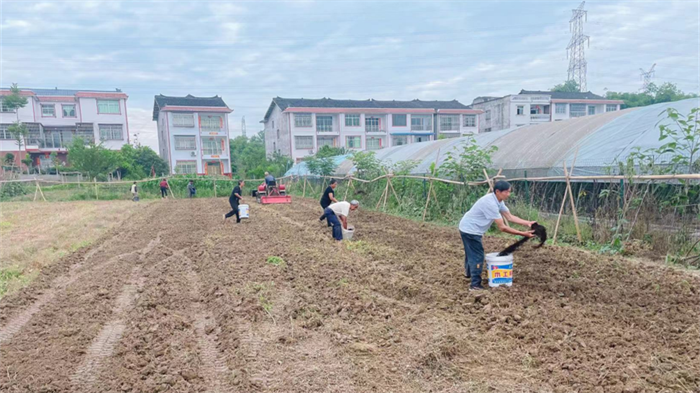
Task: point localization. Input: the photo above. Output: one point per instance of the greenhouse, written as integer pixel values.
(599, 142)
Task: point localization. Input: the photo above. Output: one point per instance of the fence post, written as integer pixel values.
(527, 189)
(94, 179)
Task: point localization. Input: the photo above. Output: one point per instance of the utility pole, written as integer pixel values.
(575, 50)
(243, 126)
(646, 77)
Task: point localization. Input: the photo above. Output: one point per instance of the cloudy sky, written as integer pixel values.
(250, 51)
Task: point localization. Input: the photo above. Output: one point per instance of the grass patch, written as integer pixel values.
(277, 261)
(11, 278)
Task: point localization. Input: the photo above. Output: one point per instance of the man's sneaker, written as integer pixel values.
(224, 216)
(467, 275)
(476, 288)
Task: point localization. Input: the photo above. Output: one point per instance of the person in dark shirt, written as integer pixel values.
(192, 190)
(328, 197)
(163, 188)
(234, 200)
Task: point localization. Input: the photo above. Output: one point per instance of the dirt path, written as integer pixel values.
(176, 301)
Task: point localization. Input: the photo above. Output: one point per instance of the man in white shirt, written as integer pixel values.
(478, 220)
(338, 212)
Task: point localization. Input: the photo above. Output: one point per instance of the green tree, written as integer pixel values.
(321, 166)
(92, 160)
(248, 158)
(667, 92)
(9, 159)
(329, 151)
(569, 86)
(367, 166)
(469, 163)
(13, 102)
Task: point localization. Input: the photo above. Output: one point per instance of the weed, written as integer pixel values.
(265, 303)
(343, 282)
(277, 261)
(7, 277)
(5, 225)
(79, 245)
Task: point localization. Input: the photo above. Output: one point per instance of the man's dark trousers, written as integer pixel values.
(234, 206)
(324, 213)
(329, 214)
(473, 257)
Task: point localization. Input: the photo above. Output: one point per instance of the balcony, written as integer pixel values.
(539, 118)
(374, 129)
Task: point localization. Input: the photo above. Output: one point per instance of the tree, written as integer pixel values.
(92, 160)
(469, 163)
(9, 159)
(248, 158)
(569, 86)
(329, 151)
(321, 166)
(13, 102)
(367, 165)
(667, 92)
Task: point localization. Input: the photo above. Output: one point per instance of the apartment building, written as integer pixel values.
(298, 127)
(54, 117)
(533, 107)
(193, 134)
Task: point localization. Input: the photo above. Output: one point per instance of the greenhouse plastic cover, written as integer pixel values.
(542, 149)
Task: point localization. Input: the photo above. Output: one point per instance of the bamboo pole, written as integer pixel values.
(36, 191)
(386, 192)
(215, 188)
(571, 198)
(395, 195)
(345, 198)
(172, 193)
(94, 179)
(41, 192)
(304, 193)
(488, 180)
(427, 200)
(561, 211)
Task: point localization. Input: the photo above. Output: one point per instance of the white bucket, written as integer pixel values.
(347, 233)
(243, 211)
(500, 269)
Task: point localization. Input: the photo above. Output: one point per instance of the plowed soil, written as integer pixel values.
(173, 300)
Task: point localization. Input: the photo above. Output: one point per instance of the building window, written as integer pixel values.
(302, 120)
(487, 115)
(352, 120)
(373, 124)
(398, 120)
(185, 167)
(4, 134)
(400, 140)
(449, 123)
(353, 142)
(4, 108)
(185, 143)
(421, 123)
(591, 110)
(111, 132)
(470, 120)
(212, 146)
(211, 122)
(273, 124)
(560, 108)
(374, 143)
(303, 142)
(487, 129)
(109, 107)
(610, 107)
(521, 110)
(48, 110)
(577, 110)
(278, 134)
(324, 123)
(68, 110)
(326, 142)
(183, 120)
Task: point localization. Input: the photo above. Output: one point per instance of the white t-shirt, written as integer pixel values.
(133, 188)
(479, 218)
(340, 208)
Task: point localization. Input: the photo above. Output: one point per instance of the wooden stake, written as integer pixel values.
(571, 197)
(304, 193)
(561, 211)
(36, 191)
(345, 198)
(427, 200)
(94, 179)
(41, 192)
(172, 193)
(488, 180)
(386, 191)
(215, 188)
(395, 195)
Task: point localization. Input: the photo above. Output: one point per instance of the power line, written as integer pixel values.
(646, 77)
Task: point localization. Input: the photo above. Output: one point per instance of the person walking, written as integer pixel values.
(191, 189)
(328, 197)
(134, 192)
(234, 200)
(163, 188)
(488, 209)
(337, 216)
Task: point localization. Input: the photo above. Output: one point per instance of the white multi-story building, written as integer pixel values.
(54, 117)
(193, 134)
(532, 107)
(299, 127)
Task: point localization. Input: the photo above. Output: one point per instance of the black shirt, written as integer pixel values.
(236, 190)
(326, 198)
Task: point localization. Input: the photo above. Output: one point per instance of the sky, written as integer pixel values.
(251, 51)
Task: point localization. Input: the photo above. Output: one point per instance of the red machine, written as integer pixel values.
(273, 193)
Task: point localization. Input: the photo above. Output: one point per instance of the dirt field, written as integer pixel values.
(172, 300)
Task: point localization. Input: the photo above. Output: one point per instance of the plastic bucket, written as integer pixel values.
(347, 233)
(500, 269)
(243, 211)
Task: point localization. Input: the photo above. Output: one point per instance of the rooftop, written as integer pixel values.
(285, 103)
(161, 101)
(62, 92)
